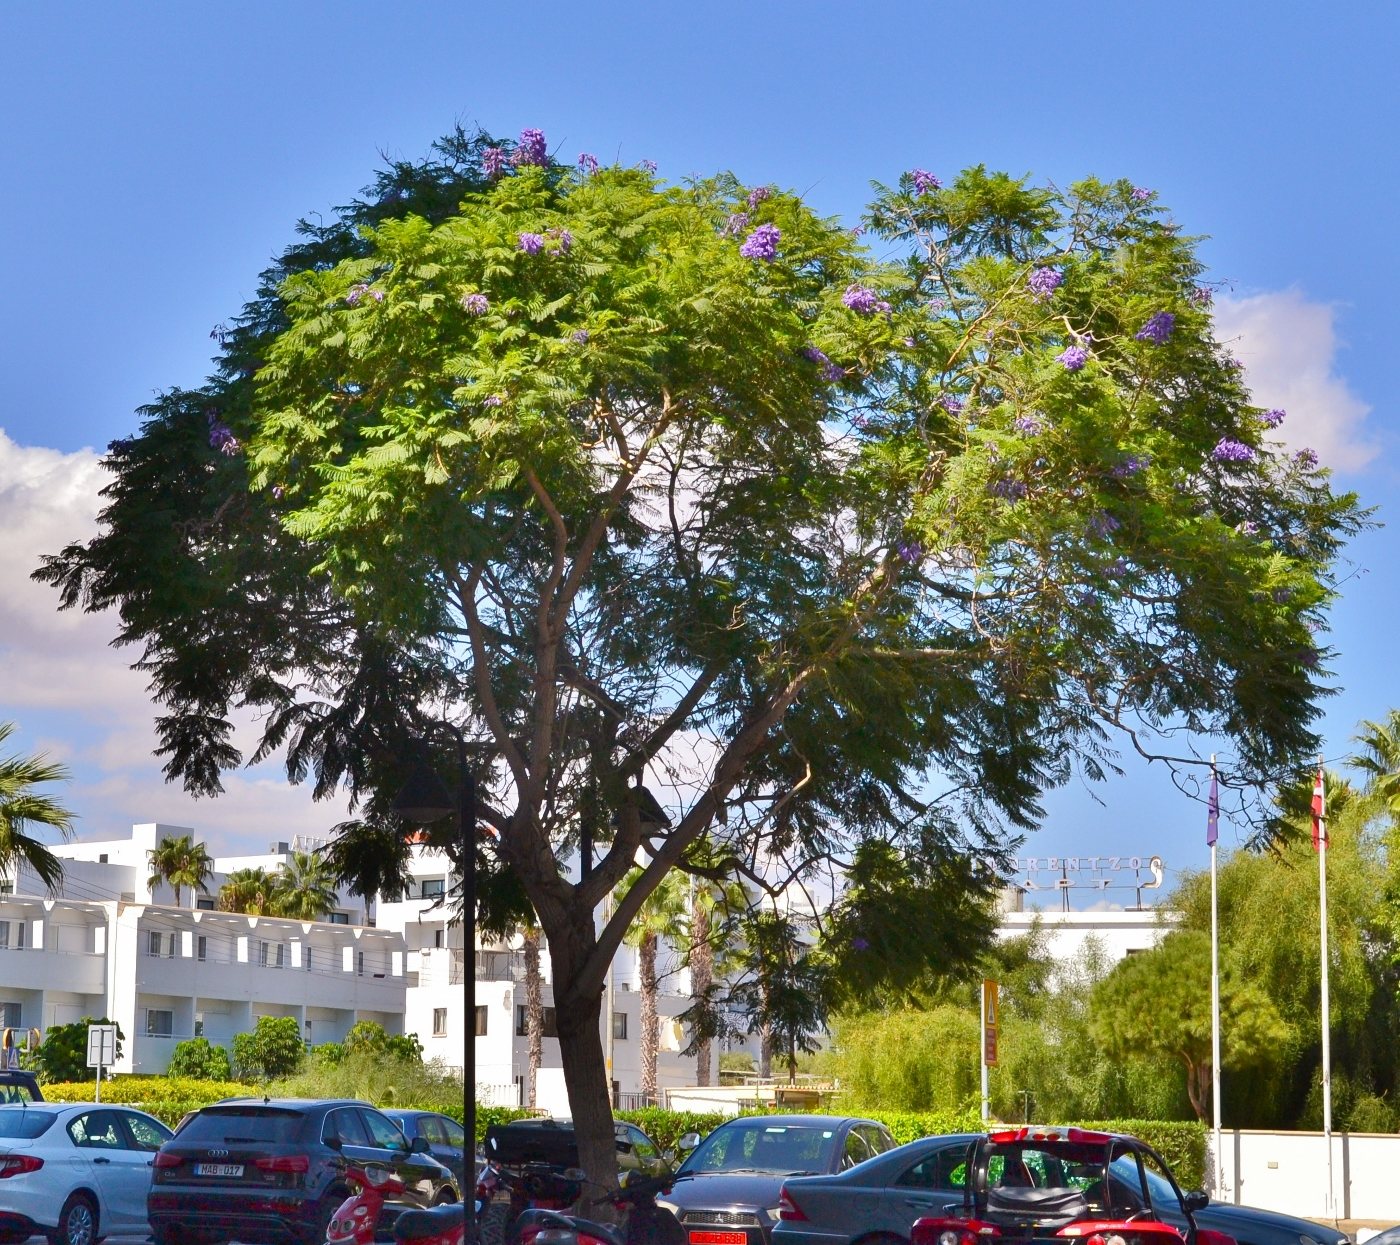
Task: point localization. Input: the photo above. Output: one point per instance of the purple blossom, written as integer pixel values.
(1043, 283)
(757, 195)
(937, 304)
(1028, 425)
(862, 299)
(828, 369)
(1248, 528)
(356, 294)
(1283, 595)
(1102, 525)
(493, 162)
(1130, 466)
(587, 163)
(492, 399)
(531, 243)
(649, 165)
(1306, 458)
(1235, 363)
(1008, 488)
(951, 403)
(564, 239)
(278, 492)
(762, 243)
(909, 550)
(736, 224)
(1141, 194)
(221, 436)
(579, 337)
(1202, 296)
(924, 181)
(1087, 596)
(1073, 358)
(1272, 419)
(1117, 568)
(377, 295)
(860, 944)
(1157, 329)
(1228, 450)
(476, 304)
(531, 149)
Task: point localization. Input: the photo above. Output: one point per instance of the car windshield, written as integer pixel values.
(24, 1124)
(234, 1124)
(783, 1149)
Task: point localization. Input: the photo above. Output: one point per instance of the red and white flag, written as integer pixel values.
(1319, 812)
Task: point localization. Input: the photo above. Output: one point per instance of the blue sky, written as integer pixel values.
(157, 156)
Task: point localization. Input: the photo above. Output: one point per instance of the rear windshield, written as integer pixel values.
(784, 1149)
(235, 1125)
(21, 1123)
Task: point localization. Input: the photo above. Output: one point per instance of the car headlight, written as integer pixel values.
(663, 1204)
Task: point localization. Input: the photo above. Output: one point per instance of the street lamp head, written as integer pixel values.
(424, 797)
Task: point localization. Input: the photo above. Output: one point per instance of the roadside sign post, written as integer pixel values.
(101, 1051)
(989, 1041)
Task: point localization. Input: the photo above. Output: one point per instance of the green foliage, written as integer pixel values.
(274, 1048)
(369, 1036)
(383, 1075)
(328, 1054)
(909, 1060)
(21, 806)
(1182, 1144)
(180, 862)
(737, 1061)
(62, 1055)
(666, 1128)
(196, 1059)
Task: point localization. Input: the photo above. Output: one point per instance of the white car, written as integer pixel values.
(75, 1172)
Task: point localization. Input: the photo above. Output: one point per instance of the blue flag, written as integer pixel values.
(1213, 812)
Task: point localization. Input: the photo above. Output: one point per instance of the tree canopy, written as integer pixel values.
(680, 485)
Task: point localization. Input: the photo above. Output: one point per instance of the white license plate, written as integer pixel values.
(218, 1169)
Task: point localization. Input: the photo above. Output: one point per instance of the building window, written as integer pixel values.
(199, 1024)
(480, 1020)
(101, 858)
(160, 1022)
(433, 888)
(359, 963)
(439, 1022)
(7, 887)
(438, 936)
(12, 935)
(550, 1025)
(9, 1015)
(205, 903)
(273, 955)
(620, 1026)
(201, 945)
(339, 918)
(155, 942)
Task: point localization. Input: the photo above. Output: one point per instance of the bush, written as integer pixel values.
(273, 1049)
(198, 1060)
(62, 1055)
(377, 1076)
(370, 1035)
(666, 1128)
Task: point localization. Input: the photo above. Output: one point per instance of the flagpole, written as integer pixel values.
(1212, 831)
(1320, 843)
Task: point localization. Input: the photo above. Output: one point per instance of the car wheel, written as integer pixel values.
(325, 1212)
(446, 1198)
(495, 1219)
(77, 1222)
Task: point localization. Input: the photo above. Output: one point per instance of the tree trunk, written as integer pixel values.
(534, 1014)
(765, 1053)
(1198, 1086)
(646, 954)
(702, 976)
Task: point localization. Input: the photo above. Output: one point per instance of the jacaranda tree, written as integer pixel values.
(676, 488)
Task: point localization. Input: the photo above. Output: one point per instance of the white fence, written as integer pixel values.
(1288, 1172)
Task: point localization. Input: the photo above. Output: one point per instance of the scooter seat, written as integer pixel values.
(423, 1225)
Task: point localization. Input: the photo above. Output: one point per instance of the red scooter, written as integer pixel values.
(356, 1219)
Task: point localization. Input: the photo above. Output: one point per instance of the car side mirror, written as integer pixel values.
(624, 1147)
(1197, 1199)
(419, 1145)
(689, 1141)
(668, 1156)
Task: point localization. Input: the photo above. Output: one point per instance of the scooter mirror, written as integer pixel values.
(689, 1141)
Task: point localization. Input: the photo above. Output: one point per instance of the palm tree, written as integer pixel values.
(709, 936)
(662, 915)
(249, 890)
(1380, 759)
(180, 862)
(21, 805)
(371, 859)
(534, 1009)
(304, 888)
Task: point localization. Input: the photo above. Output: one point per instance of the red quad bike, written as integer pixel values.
(356, 1219)
(646, 1223)
(1070, 1186)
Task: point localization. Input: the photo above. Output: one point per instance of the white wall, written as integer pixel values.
(1287, 1172)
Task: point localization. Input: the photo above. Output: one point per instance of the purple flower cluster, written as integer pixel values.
(1272, 419)
(1306, 458)
(476, 304)
(924, 181)
(579, 337)
(909, 550)
(828, 369)
(1157, 329)
(1102, 525)
(491, 399)
(221, 436)
(863, 299)
(1043, 283)
(1117, 568)
(860, 944)
(531, 243)
(358, 293)
(649, 165)
(1072, 358)
(762, 243)
(1228, 450)
(493, 162)
(1130, 466)
(1202, 296)
(757, 195)
(1141, 194)
(1008, 488)
(736, 224)
(1247, 528)
(564, 240)
(531, 149)
(1028, 425)
(587, 163)
(951, 403)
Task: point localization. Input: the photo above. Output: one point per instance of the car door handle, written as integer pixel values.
(101, 1159)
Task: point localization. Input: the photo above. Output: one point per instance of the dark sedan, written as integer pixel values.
(726, 1191)
(443, 1134)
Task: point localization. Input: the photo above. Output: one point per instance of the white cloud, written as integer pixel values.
(1289, 347)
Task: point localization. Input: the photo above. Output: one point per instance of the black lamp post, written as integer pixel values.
(424, 798)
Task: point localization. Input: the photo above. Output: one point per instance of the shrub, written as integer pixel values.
(62, 1055)
(273, 1049)
(368, 1035)
(198, 1060)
